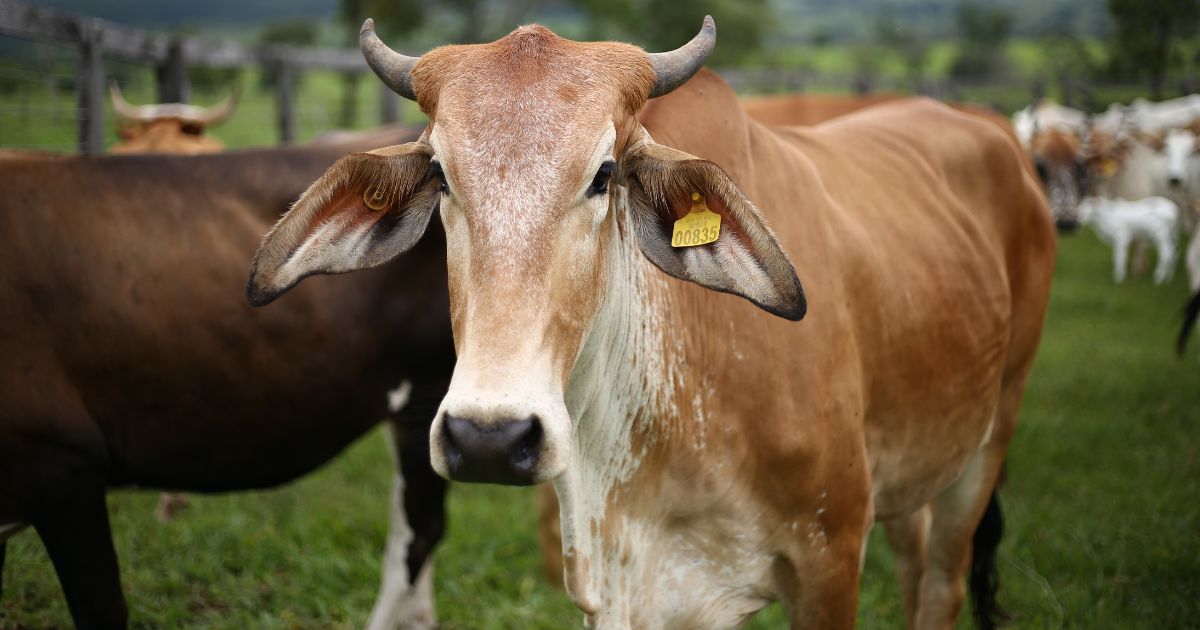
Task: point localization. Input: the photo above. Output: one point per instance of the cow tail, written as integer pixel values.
(985, 579)
(1190, 312)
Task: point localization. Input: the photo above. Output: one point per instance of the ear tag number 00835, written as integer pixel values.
(699, 226)
(374, 198)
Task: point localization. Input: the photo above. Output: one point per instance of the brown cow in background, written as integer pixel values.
(168, 127)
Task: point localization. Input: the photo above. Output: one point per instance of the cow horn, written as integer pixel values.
(394, 68)
(672, 69)
(123, 107)
(217, 114)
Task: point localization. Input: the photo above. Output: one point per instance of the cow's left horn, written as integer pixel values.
(395, 69)
(123, 107)
(672, 69)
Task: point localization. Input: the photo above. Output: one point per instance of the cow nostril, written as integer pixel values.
(504, 451)
(528, 445)
(1174, 182)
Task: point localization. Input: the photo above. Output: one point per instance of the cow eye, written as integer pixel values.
(1042, 171)
(435, 174)
(600, 181)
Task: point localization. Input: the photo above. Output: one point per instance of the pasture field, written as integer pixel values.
(1102, 509)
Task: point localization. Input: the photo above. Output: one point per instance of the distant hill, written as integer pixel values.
(797, 20)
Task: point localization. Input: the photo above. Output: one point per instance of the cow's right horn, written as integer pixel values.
(394, 68)
(672, 69)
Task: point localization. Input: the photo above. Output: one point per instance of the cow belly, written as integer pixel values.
(921, 438)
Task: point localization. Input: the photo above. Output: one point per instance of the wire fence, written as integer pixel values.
(55, 67)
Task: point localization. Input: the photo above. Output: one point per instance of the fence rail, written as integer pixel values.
(96, 39)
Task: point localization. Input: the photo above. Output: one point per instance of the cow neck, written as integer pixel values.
(620, 387)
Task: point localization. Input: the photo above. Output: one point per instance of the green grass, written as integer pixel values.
(1103, 523)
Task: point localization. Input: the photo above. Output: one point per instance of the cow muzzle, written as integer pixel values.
(504, 452)
(484, 437)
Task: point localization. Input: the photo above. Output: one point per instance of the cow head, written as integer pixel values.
(545, 182)
(1179, 145)
(168, 127)
(1064, 174)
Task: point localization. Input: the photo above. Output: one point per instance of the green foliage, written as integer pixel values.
(393, 18)
(983, 32)
(293, 32)
(659, 25)
(1069, 56)
(903, 40)
(1146, 34)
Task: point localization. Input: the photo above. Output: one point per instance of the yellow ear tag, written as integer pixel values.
(699, 226)
(1108, 167)
(374, 198)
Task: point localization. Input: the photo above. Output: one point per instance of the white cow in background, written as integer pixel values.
(1118, 222)
(1157, 118)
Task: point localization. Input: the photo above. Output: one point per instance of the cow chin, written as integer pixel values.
(500, 438)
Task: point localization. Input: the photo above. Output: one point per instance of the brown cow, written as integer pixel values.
(130, 357)
(808, 109)
(168, 127)
(709, 457)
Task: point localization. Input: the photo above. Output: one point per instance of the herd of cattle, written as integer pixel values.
(1131, 172)
(703, 452)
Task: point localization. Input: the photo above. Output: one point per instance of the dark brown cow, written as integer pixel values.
(131, 358)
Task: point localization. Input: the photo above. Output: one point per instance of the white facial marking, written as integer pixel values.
(1180, 146)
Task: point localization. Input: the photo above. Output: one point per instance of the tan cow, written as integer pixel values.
(709, 457)
(808, 109)
(168, 127)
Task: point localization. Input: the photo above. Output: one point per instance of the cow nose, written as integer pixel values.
(1174, 182)
(504, 452)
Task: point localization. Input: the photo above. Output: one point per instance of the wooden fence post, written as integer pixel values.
(173, 84)
(89, 88)
(389, 105)
(285, 82)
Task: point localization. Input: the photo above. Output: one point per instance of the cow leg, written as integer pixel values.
(1120, 254)
(819, 590)
(1166, 259)
(170, 504)
(1140, 257)
(77, 538)
(417, 515)
(956, 515)
(909, 539)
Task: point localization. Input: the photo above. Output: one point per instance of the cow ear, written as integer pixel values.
(664, 185)
(365, 210)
